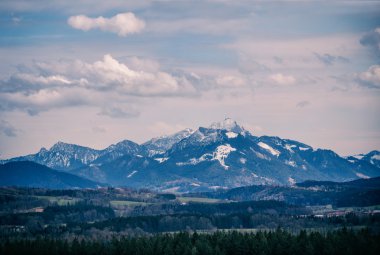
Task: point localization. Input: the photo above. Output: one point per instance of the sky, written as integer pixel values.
(97, 72)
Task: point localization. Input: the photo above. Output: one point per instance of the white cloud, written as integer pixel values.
(107, 84)
(371, 77)
(230, 81)
(107, 74)
(122, 24)
(282, 79)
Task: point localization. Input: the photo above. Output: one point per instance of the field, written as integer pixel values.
(199, 200)
(126, 203)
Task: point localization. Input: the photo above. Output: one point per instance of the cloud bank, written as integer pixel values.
(69, 83)
(108, 84)
(371, 77)
(121, 24)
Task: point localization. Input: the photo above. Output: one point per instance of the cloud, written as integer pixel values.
(230, 81)
(329, 60)
(370, 78)
(372, 40)
(93, 6)
(282, 79)
(303, 104)
(121, 24)
(107, 84)
(7, 129)
(118, 111)
(107, 74)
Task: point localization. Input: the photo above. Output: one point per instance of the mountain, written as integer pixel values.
(31, 174)
(65, 156)
(222, 155)
(372, 158)
(61, 156)
(118, 150)
(225, 155)
(161, 144)
(128, 170)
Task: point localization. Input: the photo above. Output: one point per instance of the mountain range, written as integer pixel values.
(223, 155)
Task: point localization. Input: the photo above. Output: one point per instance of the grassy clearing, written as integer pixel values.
(199, 200)
(126, 203)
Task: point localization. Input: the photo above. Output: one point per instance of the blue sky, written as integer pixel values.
(97, 72)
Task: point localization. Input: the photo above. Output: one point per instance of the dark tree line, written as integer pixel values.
(343, 242)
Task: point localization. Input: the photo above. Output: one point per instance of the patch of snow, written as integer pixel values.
(376, 157)
(243, 160)
(171, 190)
(195, 184)
(222, 153)
(254, 175)
(352, 161)
(289, 147)
(359, 156)
(131, 174)
(194, 161)
(265, 146)
(291, 181)
(363, 176)
(216, 187)
(290, 163)
(268, 180)
(160, 160)
(304, 148)
(259, 155)
(304, 167)
(228, 124)
(139, 156)
(231, 134)
(198, 136)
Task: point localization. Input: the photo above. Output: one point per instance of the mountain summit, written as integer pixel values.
(227, 124)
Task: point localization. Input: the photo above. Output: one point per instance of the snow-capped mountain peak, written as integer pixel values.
(161, 144)
(227, 124)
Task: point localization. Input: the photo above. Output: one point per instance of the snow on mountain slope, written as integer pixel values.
(161, 144)
(222, 152)
(65, 156)
(268, 148)
(231, 135)
(372, 157)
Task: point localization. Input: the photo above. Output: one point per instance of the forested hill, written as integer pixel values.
(30, 174)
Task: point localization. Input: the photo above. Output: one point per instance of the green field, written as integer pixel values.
(199, 200)
(126, 203)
